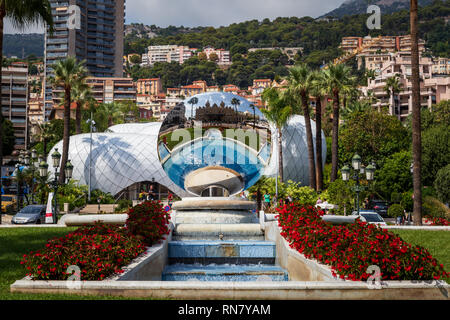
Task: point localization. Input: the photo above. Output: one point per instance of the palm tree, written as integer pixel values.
(21, 13)
(370, 74)
(82, 95)
(392, 88)
(46, 134)
(193, 101)
(416, 121)
(67, 73)
(318, 92)
(335, 80)
(355, 107)
(278, 113)
(236, 103)
(300, 83)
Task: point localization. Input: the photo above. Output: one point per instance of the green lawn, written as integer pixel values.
(14, 243)
(437, 242)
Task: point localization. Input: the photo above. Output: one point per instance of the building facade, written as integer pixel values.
(15, 101)
(432, 89)
(166, 53)
(88, 30)
(107, 90)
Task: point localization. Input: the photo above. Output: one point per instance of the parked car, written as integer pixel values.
(370, 216)
(32, 214)
(8, 202)
(380, 206)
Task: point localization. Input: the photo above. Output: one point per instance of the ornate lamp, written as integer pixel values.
(68, 170)
(356, 162)
(43, 169)
(56, 156)
(345, 173)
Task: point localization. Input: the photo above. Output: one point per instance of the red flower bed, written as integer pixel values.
(148, 222)
(351, 248)
(437, 221)
(101, 250)
(98, 251)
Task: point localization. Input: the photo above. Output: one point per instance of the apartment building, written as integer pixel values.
(441, 66)
(223, 56)
(14, 102)
(93, 33)
(107, 90)
(383, 44)
(167, 53)
(149, 86)
(432, 89)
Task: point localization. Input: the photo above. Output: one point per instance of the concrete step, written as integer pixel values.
(222, 252)
(215, 217)
(226, 232)
(188, 272)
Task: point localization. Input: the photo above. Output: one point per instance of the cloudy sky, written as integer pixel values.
(192, 13)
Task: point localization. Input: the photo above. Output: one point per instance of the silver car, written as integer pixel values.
(32, 214)
(370, 216)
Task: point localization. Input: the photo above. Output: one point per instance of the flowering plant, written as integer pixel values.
(98, 251)
(437, 221)
(148, 222)
(350, 249)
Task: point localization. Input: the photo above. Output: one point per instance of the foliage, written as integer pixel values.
(395, 175)
(373, 135)
(303, 195)
(435, 151)
(7, 135)
(99, 251)
(341, 193)
(148, 222)
(407, 201)
(395, 210)
(442, 184)
(123, 205)
(105, 198)
(433, 208)
(73, 194)
(350, 249)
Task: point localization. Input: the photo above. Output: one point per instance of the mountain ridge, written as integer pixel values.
(352, 7)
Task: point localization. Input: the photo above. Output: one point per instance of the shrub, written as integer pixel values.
(99, 251)
(442, 184)
(395, 210)
(148, 222)
(350, 249)
(433, 208)
(105, 198)
(123, 205)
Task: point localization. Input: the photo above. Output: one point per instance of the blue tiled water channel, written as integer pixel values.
(223, 261)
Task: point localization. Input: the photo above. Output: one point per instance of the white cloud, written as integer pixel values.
(192, 13)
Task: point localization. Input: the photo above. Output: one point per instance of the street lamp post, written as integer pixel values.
(357, 170)
(56, 156)
(16, 173)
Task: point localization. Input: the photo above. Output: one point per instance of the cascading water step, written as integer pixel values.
(190, 272)
(236, 252)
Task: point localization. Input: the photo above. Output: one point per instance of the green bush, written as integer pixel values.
(434, 208)
(105, 198)
(73, 194)
(395, 210)
(123, 205)
(442, 184)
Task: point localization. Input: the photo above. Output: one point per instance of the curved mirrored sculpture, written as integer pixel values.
(215, 144)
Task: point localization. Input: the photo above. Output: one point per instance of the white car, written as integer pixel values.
(370, 216)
